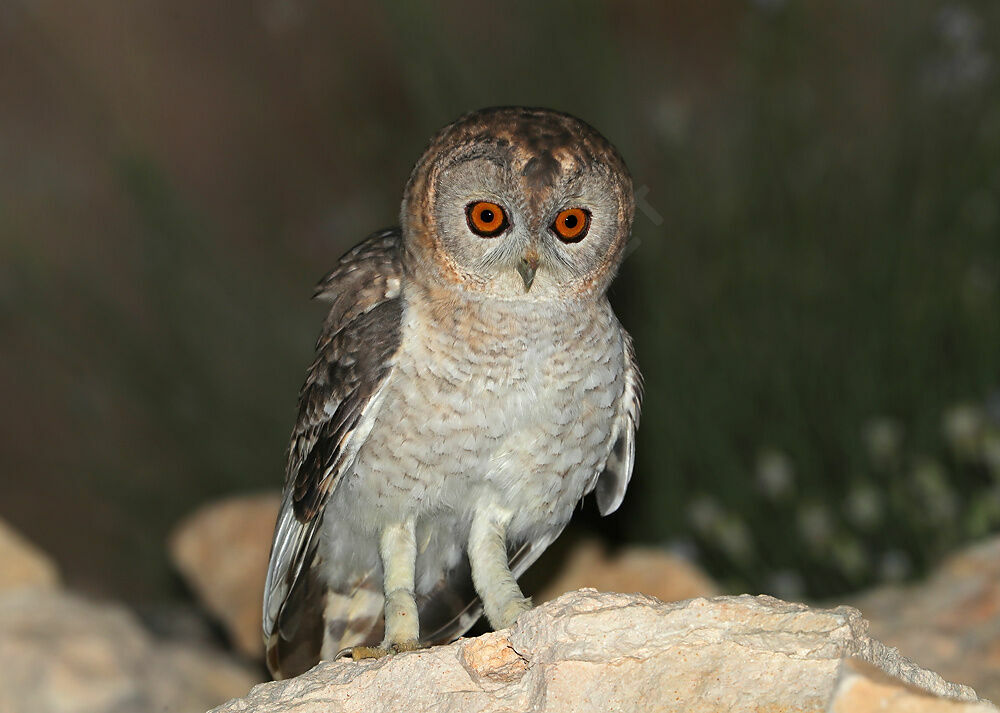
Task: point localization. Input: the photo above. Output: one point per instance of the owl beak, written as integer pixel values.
(527, 266)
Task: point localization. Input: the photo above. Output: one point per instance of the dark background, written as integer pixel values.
(814, 285)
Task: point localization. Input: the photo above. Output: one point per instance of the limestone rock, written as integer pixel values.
(222, 550)
(951, 621)
(588, 651)
(645, 570)
(863, 688)
(63, 654)
(22, 565)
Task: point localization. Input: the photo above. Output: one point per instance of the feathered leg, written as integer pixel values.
(398, 550)
(502, 599)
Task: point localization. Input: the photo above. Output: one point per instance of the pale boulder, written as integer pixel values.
(949, 622)
(22, 565)
(863, 688)
(60, 653)
(590, 651)
(222, 551)
(645, 570)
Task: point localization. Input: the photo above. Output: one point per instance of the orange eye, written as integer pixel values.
(487, 220)
(572, 224)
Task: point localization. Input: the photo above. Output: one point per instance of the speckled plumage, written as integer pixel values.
(449, 394)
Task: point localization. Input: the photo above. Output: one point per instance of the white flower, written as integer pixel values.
(775, 474)
(705, 514)
(963, 62)
(883, 438)
(864, 506)
(962, 425)
(959, 27)
(930, 480)
(734, 538)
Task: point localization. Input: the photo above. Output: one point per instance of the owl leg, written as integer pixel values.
(502, 599)
(398, 550)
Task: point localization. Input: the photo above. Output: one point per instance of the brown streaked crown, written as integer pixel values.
(542, 151)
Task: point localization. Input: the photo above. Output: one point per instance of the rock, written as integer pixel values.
(60, 653)
(222, 551)
(951, 621)
(863, 688)
(588, 651)
(650, 571)
(22, 565)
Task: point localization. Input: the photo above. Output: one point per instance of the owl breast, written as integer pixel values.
(503, 403)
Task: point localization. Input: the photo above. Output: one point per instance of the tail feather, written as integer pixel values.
(294, 645)
(353, 619)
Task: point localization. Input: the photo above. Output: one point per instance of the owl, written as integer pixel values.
(471, 384)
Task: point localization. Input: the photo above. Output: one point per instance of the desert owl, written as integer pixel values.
(471, 385)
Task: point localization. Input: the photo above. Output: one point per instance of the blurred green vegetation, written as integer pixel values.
(814, 287)
(830, 269)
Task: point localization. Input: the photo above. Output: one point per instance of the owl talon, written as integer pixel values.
(359, 653)
(367, 652)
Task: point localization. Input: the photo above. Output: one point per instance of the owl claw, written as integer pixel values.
(368, 652)
(376, 652)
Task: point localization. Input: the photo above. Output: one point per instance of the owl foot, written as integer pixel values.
(503, 601)
(513, 609)
(376, 652)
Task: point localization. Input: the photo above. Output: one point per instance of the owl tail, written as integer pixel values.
(294, 645)
(353, 619)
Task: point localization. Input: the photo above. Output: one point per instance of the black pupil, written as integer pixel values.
(570, 221)
(486, 216)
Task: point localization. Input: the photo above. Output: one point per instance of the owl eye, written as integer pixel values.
(572, 224)
(487, 220)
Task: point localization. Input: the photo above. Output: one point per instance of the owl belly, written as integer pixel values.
(522, 421)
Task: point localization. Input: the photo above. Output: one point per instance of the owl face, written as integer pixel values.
(518, 204)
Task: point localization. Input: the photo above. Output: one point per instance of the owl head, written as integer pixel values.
(518, 204)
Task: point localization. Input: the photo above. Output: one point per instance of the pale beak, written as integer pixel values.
(527, 266)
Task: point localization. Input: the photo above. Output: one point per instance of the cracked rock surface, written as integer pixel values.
(591, 651)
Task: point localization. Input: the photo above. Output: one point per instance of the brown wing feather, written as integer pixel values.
(353, 360)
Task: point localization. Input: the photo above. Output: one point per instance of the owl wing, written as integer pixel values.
(613, 479)
(337, 407)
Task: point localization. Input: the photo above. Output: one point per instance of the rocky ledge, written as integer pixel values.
(591, 651)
